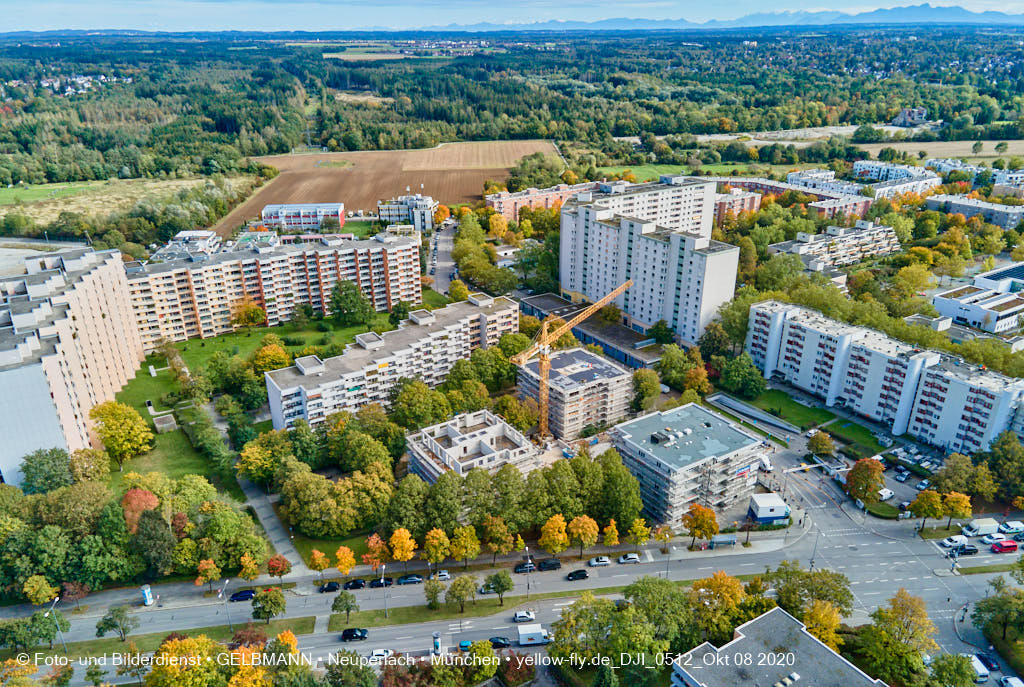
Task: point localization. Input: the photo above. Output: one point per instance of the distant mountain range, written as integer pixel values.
(912, 14)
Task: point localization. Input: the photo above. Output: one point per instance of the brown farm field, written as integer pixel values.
(954, 149)
(451, 173)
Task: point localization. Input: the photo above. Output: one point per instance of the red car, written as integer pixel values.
(1005, 546)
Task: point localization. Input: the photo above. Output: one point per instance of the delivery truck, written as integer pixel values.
(533, 634)
(979, 527)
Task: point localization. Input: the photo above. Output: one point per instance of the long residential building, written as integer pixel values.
(508, 204)
(993, 303)
(840, 246)
(935, 397)
(679, 274)
(688, 455)
(584, 389)
(68, 342)
(183, 299)
(824, 180)
(302, 216)
(888, 171)
(417, 210)
(1005, 216)
(424, 347)
(827, 204)
(734, 202)
(479, 439)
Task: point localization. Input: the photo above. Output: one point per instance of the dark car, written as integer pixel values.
(243, 595)
(329, 587)
(988, 659)
(355, 584)
(525, 567)
(377, 583)
(963, 550)
(1019, 537)
(354, 634)
(500, 642)
(577, 575)
(549, 564)
(410, 579)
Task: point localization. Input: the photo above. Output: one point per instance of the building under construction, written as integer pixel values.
(687, 455)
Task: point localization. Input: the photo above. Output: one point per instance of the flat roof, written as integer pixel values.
(577, 367)
(685, 435)
(1014, 271)
(355, 357)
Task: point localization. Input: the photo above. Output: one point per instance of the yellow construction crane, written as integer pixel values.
(541, 347)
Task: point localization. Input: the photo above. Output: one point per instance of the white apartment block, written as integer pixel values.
(823, 180)
(946, 165)
(302, 216)
(471, 440)
(678, 203)
(899, 187)
(840, 246)
(68, 342)
(888, 171)
(423, 347)
(936, 398)
(688, 455)
(680, 277)
(1005, 216)
(1009, 177)
(417, 210)
(992, 303)
(183, 299)
(584, 389)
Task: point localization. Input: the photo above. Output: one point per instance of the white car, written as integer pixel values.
(811, 433)
(993, 538)
(629, 558)
(524, 617)
(599, 562)
(442, 575)
(1012, 527)
(380, 655)
(955, 540)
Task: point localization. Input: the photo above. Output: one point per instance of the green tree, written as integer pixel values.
(154, 542)
(714, 341)
(119, 620)
(348, 669)
(88, 465)
(44, 470)
(399, 312)
(673, 366)
(821, 444)
(461, 590)
(899, 634)
(345, 602)
(349, 307)
(500, 583)
(122, 430)
(457, 291)
(952, 670)
(620, 492)
(742, 377)
(646, 387)
(417, 405)
(444, 502)
(464, 544)
(668, 605)
(432, 590)
(927, 504)
(497, 538)
(268, 603)
(661, 332)
(520, 414)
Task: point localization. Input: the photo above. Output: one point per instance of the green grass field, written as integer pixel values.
(938, 532)
(432, 299)
(853, 433)
(779, 404)
(27, 193)
(360, 227)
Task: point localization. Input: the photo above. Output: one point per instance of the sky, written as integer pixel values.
(210, 15)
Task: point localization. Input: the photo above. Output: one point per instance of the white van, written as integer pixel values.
(980, 671)
(766, 464)
(885, 494)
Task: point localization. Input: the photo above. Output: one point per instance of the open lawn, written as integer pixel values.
(108, 646)
(432, 299)
(779, 404)
(986, 569)
(938, 532)
(360, 227)
(852, 433)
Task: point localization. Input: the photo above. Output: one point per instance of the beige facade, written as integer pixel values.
(68, 342)
(185, 299)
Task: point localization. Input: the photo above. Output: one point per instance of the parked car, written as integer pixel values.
(465, 645)
(577, 575)
(523, 617)
(243, 595)
(629, 558)
(524, 567)
(377, 583)
(486, 589)
(904, 505)
(599, 562)
(993, 538)
(1018, 537)
(922, 485)
(963, 550)
(811, 433)
(1005, 546)
(380, 655)
(355, 584)
(410, 579)
(902, 477)
(885, 494)
(354, 634)
(1012, 527)
(549, 564)
(988, 660)
(1011, 682)
(442, 575)
(500, 642)
(329, 587)
(955, 540)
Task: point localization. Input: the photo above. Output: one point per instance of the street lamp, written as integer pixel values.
(384, 586)
(668, 557)
(815, 551)
(56, 624)
(222, 594)
(528, 560)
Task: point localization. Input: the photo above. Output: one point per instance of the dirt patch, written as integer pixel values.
(451, 173)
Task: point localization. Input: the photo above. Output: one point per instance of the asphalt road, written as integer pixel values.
(445, 241)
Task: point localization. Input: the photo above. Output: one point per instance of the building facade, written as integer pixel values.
(888, 171)
(840, 246)
(827, 204)
(183, 299)
(1005, 216)
(470, 440)
(937, 398)
(688, 455)
(734, 202)
(584, 389)
(417, 210)
(823, 180)
(993, 303)
(680, 277)
(509, 204)
(68, 342)
(423, 347)
(302, 216)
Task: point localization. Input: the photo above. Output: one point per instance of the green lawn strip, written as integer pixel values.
(981, 569)
(1011, 648)
(149, 642)
(853, 433)
(938, 532)
(735, 418)
(779, 404)
(432, 299)
(263, 426)
(359, 227)
(28, 193)
(483, 606)
(883, 510)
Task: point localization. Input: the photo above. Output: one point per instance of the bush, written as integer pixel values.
(293, 341)
(322, 326)
(324, 340)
